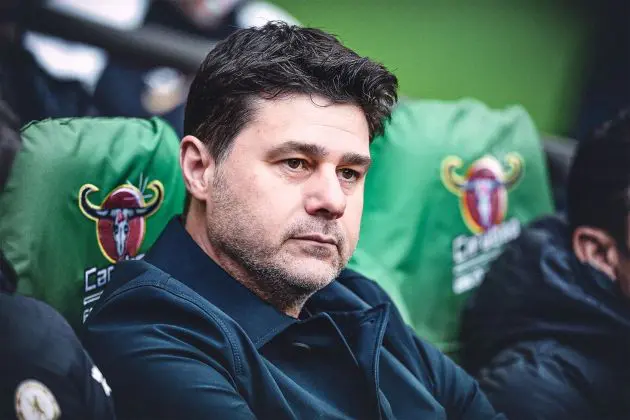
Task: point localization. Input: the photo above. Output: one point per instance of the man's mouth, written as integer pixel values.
(316, 237)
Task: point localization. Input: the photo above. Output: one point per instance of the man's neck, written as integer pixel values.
(281, 298)
(284, 302)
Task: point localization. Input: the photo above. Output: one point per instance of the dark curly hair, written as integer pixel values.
(598, 190)
(278, 59)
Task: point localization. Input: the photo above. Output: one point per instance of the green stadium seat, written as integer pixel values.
(83, 194)
(451, 184)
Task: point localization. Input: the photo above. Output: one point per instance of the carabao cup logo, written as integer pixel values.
(120, 218)
(482, 191)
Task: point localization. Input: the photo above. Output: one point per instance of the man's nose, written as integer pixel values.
(324, 195)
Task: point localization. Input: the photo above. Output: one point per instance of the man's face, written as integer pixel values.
(286, 203)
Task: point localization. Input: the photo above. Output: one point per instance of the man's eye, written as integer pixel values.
(295, 163)
(349, 174)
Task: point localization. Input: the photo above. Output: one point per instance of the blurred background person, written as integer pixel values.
(548, 331)
(79, 79)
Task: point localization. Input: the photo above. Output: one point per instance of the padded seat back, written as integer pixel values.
(83, 194)
(451, 184)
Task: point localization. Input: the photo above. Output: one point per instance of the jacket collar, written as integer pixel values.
(176, 253)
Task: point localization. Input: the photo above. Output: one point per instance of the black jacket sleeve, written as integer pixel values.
(545, 381)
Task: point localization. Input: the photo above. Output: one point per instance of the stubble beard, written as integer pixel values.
(258, 264)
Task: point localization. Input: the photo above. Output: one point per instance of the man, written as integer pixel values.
(234, 313)
(45, 373)
(552, 319)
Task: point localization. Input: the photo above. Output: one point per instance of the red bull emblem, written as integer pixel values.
(482, 192)
(120, 218)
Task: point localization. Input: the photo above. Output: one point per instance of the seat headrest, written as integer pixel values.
(451, 182)
(83, 194)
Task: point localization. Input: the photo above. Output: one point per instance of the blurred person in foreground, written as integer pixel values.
(234, 313)
(548, 331)
(45, 373)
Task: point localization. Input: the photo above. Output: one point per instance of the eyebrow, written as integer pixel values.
(315, 151)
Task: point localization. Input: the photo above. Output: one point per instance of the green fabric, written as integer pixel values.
(415, 240)
(61, 254)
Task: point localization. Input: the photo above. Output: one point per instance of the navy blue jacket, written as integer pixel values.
(546, 326)
(177, 337)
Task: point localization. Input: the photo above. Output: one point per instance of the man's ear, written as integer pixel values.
(597, 248)
(197, 166)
